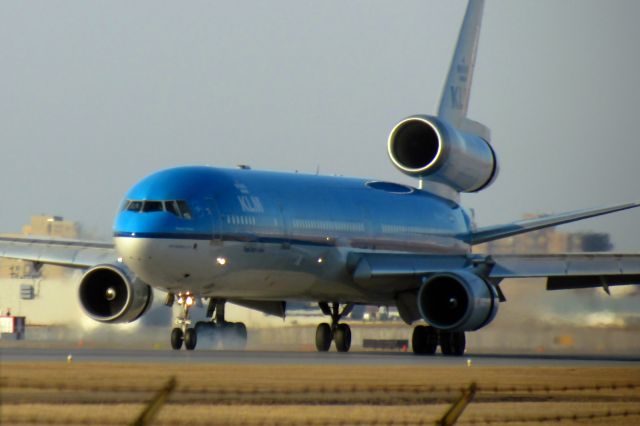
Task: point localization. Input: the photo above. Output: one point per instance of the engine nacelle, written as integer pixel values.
(457, 301)
(109, 294)
(428, 147)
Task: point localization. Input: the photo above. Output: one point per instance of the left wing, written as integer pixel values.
(563, 271)
(490, 233)
(69, 253)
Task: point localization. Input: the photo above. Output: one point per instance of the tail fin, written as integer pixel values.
(455, 95)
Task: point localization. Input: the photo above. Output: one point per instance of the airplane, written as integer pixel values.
(260, 239)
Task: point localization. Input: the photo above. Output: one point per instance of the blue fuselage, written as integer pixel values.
(210, 230)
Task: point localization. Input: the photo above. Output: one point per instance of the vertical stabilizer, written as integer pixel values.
(455, 95)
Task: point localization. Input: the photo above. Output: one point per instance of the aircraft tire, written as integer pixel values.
(176, 338)
(323, 337)
(190, 339)
(342, 338)
(453, 343)
(424, 340)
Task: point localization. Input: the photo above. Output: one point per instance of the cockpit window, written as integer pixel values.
(184, 209)
(172, 207)
(134, 206)
(152, 206)
(178, 208)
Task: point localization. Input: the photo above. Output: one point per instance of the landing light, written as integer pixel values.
(189, 300)
(320, 260)
(221, 261)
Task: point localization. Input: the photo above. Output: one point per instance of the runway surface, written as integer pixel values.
(13, 354)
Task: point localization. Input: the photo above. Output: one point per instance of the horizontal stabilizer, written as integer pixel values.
(490, 233)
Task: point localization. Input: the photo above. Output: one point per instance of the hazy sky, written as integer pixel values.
(96, 95)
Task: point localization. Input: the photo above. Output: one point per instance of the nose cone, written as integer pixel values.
(146, 257)
(164, 215)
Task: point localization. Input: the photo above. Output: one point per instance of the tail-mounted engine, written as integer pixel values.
(423, 146)
(108, 293)
(457, 301)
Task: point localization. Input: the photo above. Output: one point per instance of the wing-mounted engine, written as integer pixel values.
(457, 301)
(111, 294)
(430, 148)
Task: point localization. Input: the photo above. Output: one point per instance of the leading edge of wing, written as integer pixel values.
(496, 232)
(61, 252)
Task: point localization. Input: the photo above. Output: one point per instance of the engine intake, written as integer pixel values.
(457, 301)
(428, 147)
(109, 294)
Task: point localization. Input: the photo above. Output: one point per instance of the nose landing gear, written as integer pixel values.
(184, 333)
(338, 332)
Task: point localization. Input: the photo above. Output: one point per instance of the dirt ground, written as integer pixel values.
(112, 393)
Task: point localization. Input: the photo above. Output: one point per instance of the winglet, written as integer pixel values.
(455, 95)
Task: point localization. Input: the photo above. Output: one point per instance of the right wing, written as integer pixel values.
(60, 252)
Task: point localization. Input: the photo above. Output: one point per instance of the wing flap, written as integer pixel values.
(69, 253)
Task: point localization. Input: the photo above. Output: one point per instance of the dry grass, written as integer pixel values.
(109, 393)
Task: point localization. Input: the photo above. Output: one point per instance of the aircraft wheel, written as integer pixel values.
(323, 337)
(190, 339)
(453, 343)
(342, 337)
(176, 338)
(424, 340)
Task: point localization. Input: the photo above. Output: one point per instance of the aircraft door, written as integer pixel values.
(215, 216)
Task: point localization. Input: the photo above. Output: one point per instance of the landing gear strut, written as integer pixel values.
(337, 332)
(183, 333)
(231, 335)
(425, 341)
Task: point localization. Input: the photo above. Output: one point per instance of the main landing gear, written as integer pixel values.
(232, 335)
(339, 333)
(425, 341)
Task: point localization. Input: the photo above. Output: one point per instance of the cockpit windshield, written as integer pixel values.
(133, 206)
(152, 206)
(178, 208)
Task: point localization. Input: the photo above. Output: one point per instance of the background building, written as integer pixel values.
(41, 226)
